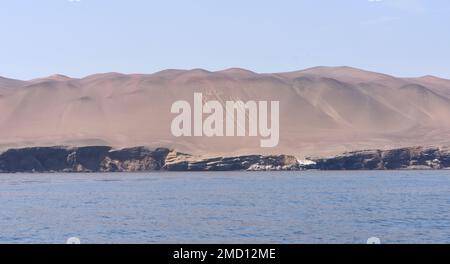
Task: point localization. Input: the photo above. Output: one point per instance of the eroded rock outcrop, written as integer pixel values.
(139, 159)
(404, 158)
(83, 159)
(249, 163)
(142, 159)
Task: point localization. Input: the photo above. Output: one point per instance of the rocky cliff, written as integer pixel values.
(248, 163)
(404, 158)
(83, 159)
(141, 159)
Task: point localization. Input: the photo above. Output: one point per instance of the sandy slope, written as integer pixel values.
(323, 110)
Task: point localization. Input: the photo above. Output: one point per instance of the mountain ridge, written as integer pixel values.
(323, 110)
(59, 75)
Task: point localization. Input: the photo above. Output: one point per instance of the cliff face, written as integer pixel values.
(249, 163)
(83, 159)
(139, 159)
(405, 158)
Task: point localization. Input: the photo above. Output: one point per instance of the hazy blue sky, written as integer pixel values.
(400, 37)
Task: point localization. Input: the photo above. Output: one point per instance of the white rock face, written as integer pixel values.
(306, 162)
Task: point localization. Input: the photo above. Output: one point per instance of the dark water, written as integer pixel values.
(275, 207)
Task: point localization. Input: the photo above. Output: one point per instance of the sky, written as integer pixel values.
(77, 38)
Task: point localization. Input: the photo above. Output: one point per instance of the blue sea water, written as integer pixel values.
(226, 207)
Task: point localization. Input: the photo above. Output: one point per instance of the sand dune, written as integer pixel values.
(323, 110)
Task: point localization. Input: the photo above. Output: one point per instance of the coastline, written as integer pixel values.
(96, 159)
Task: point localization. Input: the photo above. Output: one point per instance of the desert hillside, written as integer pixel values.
(323, 110)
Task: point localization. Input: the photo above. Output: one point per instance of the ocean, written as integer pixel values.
(227, 207)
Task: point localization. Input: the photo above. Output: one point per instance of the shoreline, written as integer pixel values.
(105, 159)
